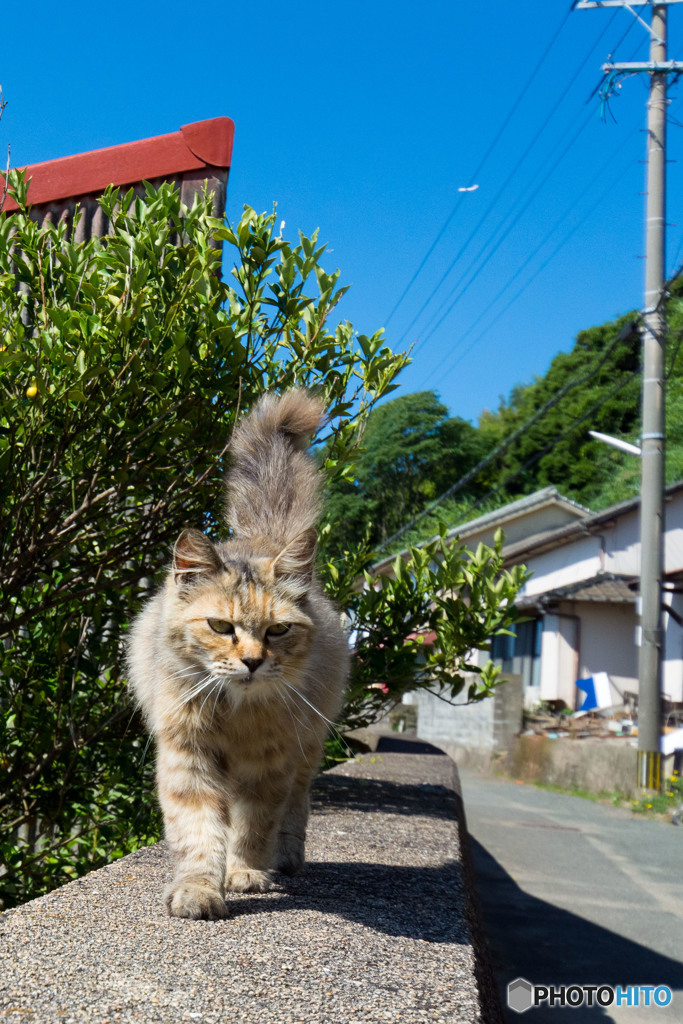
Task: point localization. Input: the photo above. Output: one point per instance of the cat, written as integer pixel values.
(238, 662)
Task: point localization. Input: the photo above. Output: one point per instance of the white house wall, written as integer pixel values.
(564, 565)
(527, 524)
(559, 661)
(673, 537)
(622, 545)
(607, 642)
(622, 541)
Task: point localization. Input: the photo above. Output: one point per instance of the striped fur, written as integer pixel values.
(238, 663)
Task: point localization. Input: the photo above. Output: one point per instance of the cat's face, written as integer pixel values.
(234, 623)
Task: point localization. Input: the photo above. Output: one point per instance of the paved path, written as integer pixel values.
(577, 892)
(374, 929)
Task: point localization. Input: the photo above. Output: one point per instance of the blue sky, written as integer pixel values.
(364, 120)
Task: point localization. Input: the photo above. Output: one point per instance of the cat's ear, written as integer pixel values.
(298, 558)
(194, 556)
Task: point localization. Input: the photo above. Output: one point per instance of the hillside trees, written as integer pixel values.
(557, 449)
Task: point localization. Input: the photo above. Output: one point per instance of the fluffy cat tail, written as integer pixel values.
(272, 486)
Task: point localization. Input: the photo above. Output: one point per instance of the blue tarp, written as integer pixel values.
(588, 687)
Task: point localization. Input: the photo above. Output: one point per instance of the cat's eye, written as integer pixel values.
(277, 629)
(221, 626)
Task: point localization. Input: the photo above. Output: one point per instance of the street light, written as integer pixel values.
(616, 442)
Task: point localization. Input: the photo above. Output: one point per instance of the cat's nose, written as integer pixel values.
(252, 663)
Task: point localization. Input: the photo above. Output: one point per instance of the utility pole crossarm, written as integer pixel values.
(584, 5)
(675, 66)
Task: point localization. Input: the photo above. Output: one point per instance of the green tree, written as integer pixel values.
(411, 450)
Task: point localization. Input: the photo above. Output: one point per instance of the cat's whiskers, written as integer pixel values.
(307, 701)
(215, 703)
(289, 703)
(144, 752)
(186, 672)
(218, 682)
(333, 726)
(187, 695)
(283, 698)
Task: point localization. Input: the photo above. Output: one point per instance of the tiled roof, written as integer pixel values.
(604, 588)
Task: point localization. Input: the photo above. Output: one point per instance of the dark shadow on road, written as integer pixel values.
(532, 939)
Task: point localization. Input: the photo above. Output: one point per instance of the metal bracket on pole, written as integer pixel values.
(583, 5)
(669, 66)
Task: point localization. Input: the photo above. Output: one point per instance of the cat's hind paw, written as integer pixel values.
(249, 880)
(195, 900)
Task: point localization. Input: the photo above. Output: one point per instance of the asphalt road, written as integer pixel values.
(577, 893)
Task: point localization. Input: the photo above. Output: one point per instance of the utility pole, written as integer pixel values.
(653, 426)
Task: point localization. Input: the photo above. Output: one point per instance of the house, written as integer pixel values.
(580, 602)
(535, 515)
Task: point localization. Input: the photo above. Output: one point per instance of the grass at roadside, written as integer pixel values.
(602, 797)
(665, 802)
(651, 806)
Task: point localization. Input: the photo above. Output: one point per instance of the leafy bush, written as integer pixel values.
(123, 363)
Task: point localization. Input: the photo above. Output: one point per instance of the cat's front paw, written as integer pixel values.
(196, 900)
(249, 880)
(291, 854)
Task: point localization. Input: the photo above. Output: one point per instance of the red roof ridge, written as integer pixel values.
(196, 146)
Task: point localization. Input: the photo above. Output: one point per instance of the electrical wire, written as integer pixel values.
(540, 269)
(636, 321)
(537, 456)
(526, 152)
(533, 190)
(533, 194)
(494, 142)
(452, 363)
(527, 261)
(631, 378)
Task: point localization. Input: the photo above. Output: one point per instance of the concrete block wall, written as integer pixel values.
(486, 728)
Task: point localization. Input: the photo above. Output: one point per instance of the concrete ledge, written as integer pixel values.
(379, 927)
(594, 765)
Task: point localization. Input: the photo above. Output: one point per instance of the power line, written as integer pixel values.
(532, 191)
(635, 322)
(565, 432)
(451, 364)
(494, 142)
(473, 276)
(540, 269)
(537, 456)
(502, 190)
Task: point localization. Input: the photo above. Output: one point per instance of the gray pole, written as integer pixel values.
(652, 480)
